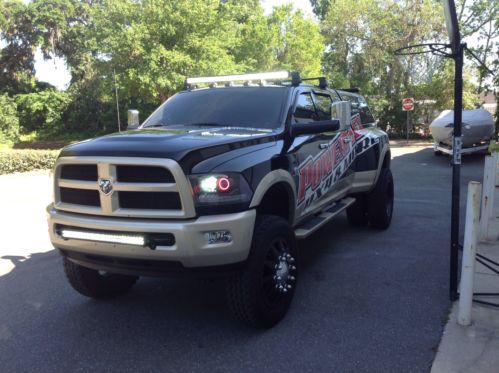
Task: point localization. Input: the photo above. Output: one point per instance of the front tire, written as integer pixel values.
(260, 295)
(95, 284)
(380, 207)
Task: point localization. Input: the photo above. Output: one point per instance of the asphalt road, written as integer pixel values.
(366, 300)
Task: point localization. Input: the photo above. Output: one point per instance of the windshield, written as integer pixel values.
(251, 107)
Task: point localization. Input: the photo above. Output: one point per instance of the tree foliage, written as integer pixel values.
(42, 110)
(360, 53)
(146, 48)
(9, 121)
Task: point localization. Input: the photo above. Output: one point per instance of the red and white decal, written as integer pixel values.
(317, 174)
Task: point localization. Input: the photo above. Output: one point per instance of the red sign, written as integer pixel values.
(408, 104)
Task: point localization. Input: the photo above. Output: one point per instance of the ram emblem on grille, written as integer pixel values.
(106, 186)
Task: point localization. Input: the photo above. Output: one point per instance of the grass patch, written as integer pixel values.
(26, 160)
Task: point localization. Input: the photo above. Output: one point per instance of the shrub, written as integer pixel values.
(26, 160)
(9, 121)
(42, 111)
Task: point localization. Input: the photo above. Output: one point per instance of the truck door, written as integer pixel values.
(320, 166)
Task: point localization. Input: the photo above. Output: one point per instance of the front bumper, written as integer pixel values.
(191, 248)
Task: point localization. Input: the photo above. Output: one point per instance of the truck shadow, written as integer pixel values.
(348, 281)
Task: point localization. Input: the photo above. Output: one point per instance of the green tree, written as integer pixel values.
(479, 20)
(42, 111)
(360, 53)
(154, 45)
(296, 41)
(9, 122)
(17, 48)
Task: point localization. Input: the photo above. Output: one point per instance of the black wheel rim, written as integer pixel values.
(279, 272)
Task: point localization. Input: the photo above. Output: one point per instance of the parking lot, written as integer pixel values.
(366, 301)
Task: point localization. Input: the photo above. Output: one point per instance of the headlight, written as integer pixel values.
(230, 189)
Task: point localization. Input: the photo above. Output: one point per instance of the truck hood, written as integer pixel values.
(188, 146)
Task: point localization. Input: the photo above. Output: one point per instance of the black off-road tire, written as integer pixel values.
(94, 284)
(437, 153)
(253, 294)
(380, 204)
(357, 213)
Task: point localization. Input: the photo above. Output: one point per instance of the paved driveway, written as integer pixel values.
(366, 301)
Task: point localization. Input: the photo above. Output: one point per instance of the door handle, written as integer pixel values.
(347, 140)
(323, 146)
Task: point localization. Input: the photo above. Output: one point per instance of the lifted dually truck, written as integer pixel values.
(221, 180)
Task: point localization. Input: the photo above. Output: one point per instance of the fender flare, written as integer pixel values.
(272, 178)
(383, 153)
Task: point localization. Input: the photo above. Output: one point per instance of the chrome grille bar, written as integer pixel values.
(109, 203)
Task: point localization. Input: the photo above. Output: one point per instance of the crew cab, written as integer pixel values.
(222, 179)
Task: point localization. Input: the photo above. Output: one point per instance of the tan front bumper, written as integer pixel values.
(191, 247)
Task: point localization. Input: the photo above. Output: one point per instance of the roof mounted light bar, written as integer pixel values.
(276, 75)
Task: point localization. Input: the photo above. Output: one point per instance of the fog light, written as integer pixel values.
(218, 237)
(103, 237)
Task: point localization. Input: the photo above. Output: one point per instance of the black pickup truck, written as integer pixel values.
(221, 179)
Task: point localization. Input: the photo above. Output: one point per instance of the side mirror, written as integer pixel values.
(133, 119)
(342, 111)
(311, 128)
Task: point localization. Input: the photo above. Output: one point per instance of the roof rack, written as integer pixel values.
(352, 90)
(322, 81)
(277, 77)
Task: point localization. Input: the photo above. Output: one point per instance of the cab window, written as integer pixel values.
(366, 116)
(359, 106)
(305, 109)
(323, 103)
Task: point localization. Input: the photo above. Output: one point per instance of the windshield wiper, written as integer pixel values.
(207, 124)
(157, 125)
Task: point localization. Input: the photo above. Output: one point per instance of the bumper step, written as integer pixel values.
(310, 226)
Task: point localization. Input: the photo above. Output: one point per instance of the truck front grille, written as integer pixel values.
(123, 187)
(150, 200)
(79, 172)
(144, 174)
(83, 197)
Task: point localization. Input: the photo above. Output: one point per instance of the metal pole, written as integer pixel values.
(456, 170)
(407, 126)
(117, 102)
(469, 253)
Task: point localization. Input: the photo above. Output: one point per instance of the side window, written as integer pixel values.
(354, 100)
(334, 96)
(323, 106)
(365, 114)
(305, 109)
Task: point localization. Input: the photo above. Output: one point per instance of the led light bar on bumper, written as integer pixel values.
(226, 192)
(151, 240)
(103, 237)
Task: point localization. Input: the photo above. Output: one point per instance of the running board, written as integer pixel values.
(310, 226)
